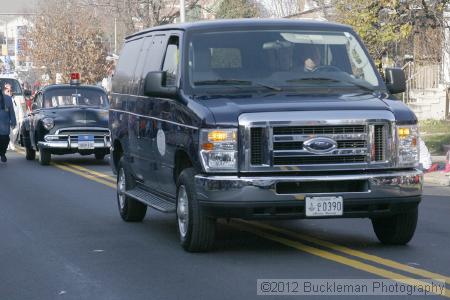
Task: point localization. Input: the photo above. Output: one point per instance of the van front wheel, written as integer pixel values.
(195, 228)
(396, 230)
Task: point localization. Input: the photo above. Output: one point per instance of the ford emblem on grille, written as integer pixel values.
(319, 145)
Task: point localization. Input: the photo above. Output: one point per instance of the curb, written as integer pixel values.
(437, 178)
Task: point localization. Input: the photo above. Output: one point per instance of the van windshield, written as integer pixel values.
(278, 60)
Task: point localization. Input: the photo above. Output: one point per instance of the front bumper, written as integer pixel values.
(66, 142)
(259, 197)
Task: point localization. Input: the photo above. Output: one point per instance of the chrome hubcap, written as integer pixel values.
(183, 210)
(121, 188)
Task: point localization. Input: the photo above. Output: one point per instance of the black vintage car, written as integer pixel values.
(67, 118)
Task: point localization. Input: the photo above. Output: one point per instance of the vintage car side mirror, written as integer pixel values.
(27, 93)
(155, 85)
(395, 80)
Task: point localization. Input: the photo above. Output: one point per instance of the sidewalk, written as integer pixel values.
(438, 177)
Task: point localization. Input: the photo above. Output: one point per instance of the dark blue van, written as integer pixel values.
(261, 119)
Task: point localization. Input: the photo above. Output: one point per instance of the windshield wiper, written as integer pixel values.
(223, 82)
(235, 82)
(313, 79)
(360, 85)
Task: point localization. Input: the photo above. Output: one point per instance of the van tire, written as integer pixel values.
(130, 209)
(397, 229)
(200, 230)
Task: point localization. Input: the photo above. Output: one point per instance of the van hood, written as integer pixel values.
(226, 109)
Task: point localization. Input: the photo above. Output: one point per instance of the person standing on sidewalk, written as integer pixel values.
(18, 111)
(7, 121)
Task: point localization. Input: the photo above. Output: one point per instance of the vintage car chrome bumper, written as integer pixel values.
(383, 188)
(67, 142)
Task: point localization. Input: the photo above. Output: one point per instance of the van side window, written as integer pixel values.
(171, 60)
(126, 66)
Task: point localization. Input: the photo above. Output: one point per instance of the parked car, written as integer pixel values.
(19, 96)
(261, 119)
(67, 118)
(19, 93)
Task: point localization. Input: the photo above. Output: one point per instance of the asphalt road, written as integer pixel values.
(62, 238)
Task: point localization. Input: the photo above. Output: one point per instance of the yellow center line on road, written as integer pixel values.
(100, 178)
(98, 174)
(341, 259)
(84, 172)
(85, 175)
(355, 253)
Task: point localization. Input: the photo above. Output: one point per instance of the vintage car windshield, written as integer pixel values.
(75, 97)
(278, 60)
(16, 88)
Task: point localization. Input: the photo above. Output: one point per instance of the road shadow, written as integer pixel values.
(87, 160)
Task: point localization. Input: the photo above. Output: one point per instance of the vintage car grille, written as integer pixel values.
(100, 134)
(355, 144)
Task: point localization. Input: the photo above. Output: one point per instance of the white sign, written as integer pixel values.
(161, 142)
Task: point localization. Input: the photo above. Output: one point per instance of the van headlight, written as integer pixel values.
(219, 150)
(48, 123)
(408, 145)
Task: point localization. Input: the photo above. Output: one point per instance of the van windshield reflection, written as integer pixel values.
(278, 60)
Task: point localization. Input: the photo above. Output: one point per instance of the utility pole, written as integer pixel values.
(6, 38)
(115, 35)
(182, 11)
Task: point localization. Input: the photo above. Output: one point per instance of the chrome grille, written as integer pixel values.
(256, 146)
(379, 143)
(285, 141)
(318, 130)
(352, 144)
(288, 148)
(318, 160)
(299, 145)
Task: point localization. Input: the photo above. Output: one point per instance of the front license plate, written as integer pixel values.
(324, 206)
(86, 142)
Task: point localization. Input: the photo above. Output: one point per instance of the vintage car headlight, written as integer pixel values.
(48, 123)
(219, 150)
(408, 145)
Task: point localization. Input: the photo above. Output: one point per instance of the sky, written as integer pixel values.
(15, 6)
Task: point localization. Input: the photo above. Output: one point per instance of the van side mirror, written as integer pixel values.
(395, 80)
(27, 93)
(155, 85)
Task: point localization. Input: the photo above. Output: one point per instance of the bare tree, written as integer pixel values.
(284, 8)
(66, 38)
(139, 14)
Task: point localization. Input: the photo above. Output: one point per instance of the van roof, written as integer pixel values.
(248, 23)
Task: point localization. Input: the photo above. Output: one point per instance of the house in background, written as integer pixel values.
(13, 44)
(427, 69)
(428, 85)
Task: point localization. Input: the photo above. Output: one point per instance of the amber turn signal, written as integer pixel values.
(208, 146)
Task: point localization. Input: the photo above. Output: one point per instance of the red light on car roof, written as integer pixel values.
(75, 76)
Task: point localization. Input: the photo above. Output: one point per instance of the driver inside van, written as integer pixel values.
(312, 58)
